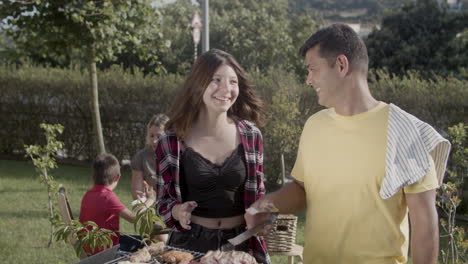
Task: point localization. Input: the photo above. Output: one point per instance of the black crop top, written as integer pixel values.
(217, 189)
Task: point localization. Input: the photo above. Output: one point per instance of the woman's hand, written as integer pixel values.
(149, 192)
(183, 213)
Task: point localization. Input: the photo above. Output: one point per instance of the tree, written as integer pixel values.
(301, 27)
(176, 27)
(423, 36)
(346, 10)
(96, 29)
(255, 32)
(260, 34)
(7, 53)
(177, 53)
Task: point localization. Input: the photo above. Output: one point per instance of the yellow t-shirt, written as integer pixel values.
(341, 161)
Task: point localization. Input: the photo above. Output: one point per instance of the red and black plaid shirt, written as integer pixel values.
(168, 189)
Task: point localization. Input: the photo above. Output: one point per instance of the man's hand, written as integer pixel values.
(183, 213)
(258, 213)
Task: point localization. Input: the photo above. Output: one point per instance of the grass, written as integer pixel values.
(24, 224)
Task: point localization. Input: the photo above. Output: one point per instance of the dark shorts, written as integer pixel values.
(202, 239)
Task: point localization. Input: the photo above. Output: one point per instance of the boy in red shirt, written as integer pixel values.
(101, 205)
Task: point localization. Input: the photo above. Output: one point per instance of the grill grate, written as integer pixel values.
(123, 255)
(155, 260)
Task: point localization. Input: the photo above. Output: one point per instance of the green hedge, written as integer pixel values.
(33, 95)
(442, 102)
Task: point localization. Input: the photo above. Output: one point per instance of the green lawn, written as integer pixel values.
(24, 225)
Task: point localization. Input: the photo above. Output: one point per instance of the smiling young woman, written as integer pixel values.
(189, 101)
(210, 160)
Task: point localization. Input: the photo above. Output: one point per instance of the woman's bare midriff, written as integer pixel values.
(218, 223)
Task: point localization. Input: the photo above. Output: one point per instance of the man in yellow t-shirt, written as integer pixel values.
(341, 164)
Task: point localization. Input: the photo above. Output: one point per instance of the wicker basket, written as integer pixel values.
(282, 236)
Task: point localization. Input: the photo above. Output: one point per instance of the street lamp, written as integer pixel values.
(196, 24)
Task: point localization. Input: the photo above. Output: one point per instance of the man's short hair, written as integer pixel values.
(106, 169)
(338, 39)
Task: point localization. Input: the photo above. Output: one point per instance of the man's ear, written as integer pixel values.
(342, 63)
(117, 178)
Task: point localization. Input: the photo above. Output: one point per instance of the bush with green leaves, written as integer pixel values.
(85, 234)
(33, 95)
(455, 251)
(439, 101)
(450, 198)
(89, 234)
(281, 91)
(457, 168)
(458, 163)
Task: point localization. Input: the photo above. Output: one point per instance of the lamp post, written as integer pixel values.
(206, 26)
(196, 25)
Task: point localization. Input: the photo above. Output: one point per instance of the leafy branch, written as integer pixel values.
(146, 220)
(455, 251)
(43, 158)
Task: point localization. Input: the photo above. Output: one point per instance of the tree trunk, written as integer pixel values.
(95, 102)
(51, 207)
(283, 170)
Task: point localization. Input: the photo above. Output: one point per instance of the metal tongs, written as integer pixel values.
(250, 232)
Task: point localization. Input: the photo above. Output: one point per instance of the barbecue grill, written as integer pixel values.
(114, 255)
(157, 259)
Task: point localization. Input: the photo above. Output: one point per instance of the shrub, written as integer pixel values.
(34, 95)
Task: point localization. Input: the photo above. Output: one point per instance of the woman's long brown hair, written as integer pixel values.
(189, 100)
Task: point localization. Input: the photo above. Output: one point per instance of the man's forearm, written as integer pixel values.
(291, 198)
(424, 227)
(425, 244)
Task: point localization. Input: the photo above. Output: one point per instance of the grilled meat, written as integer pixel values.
(156, 248)
(142, 255)
(227, 257)
(176, 257)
